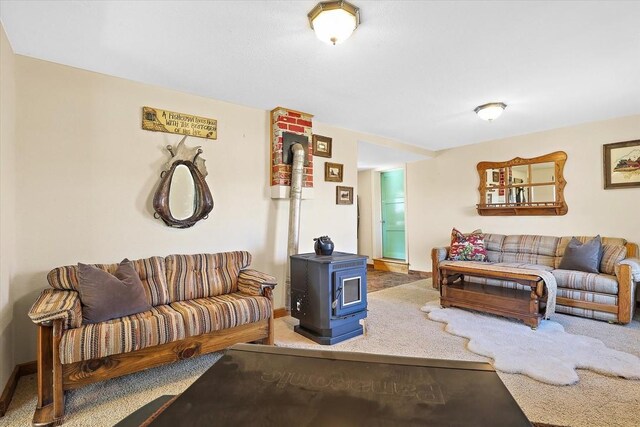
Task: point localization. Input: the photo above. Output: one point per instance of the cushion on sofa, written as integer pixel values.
(150, 270)
(530, 249)
(582, 256)
(612, 251)
(493, 245)
(611, 255)
(204, 315)
(204, 275)
(467, 247)
(106, 296)
(591, 282)
(159, 325)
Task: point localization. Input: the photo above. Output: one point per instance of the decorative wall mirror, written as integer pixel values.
(183, 197)
(523, 186)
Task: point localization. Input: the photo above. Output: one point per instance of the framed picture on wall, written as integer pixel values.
(344, 195)
(622, 165)
(321, 146)
(333, 172)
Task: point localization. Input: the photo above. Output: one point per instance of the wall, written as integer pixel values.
(7, 204)
(365, 226)
(443, 190)
(87, 173)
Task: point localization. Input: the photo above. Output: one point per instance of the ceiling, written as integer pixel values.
(413, 71)
(373, 156)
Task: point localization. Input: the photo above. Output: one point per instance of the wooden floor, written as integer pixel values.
(378, 280)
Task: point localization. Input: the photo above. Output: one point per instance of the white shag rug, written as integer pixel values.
(548, 354)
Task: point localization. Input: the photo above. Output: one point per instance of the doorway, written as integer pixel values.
(392, 197)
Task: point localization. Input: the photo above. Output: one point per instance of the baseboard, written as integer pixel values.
(394, 266)
(10, 388)
(280, 312)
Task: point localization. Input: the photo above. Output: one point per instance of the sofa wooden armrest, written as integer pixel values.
(437, 255)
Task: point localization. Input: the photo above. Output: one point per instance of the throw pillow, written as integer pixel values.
(105, 296)
(582, 257)
(467, 247)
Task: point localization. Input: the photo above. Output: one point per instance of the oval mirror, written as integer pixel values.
(182, 192)
(183, 196)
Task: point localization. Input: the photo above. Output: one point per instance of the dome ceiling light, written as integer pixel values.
(490, 111)
(334, 21)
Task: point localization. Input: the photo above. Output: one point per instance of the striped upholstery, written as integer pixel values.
(204, 275)
(204, 315)
(494, 242)
(539, 245)
(583, 312)
(611, 255)
(250, 281)
(530, 249)
(591, 282)
(55, 304)
(151, 272)
(588, 296)
(160, 325)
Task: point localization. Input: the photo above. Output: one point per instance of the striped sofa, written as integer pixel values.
(200, 304)
(608, 295)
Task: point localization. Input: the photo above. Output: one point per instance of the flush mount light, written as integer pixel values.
(334, 21)
(490, 111)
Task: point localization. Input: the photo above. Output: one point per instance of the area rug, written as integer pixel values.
(547, 354)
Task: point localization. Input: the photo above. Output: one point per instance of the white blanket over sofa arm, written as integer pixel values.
(635, 267)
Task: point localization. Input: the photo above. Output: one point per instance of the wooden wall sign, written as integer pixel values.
(158, 120)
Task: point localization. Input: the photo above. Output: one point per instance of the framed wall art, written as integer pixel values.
(344, 195)
(333, 172)
(321, 146)
(622, 165)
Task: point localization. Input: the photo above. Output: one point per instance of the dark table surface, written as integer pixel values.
(254, 385)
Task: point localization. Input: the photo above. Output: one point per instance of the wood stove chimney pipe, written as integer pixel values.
(294, 214)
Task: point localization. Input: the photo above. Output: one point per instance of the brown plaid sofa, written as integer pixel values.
(200, 304)
(608, 295)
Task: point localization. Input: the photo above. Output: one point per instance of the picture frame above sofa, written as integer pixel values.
(621, 165)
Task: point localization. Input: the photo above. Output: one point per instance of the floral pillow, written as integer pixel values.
(467, 247)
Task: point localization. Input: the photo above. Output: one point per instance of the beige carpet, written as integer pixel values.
(395, 326)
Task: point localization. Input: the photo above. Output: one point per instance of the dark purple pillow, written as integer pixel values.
(105, 296)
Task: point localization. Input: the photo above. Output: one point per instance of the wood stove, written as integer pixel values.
(329, 295)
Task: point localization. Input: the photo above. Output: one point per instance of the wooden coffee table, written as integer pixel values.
(456, 291)
(255, 385)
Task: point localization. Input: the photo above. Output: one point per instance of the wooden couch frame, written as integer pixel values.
(54, 378)
(625, 285)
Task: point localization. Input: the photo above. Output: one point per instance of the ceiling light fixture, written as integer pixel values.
(490, 111)
(334, 21)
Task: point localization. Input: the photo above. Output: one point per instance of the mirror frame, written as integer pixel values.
(203, 200)
(558, 207)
